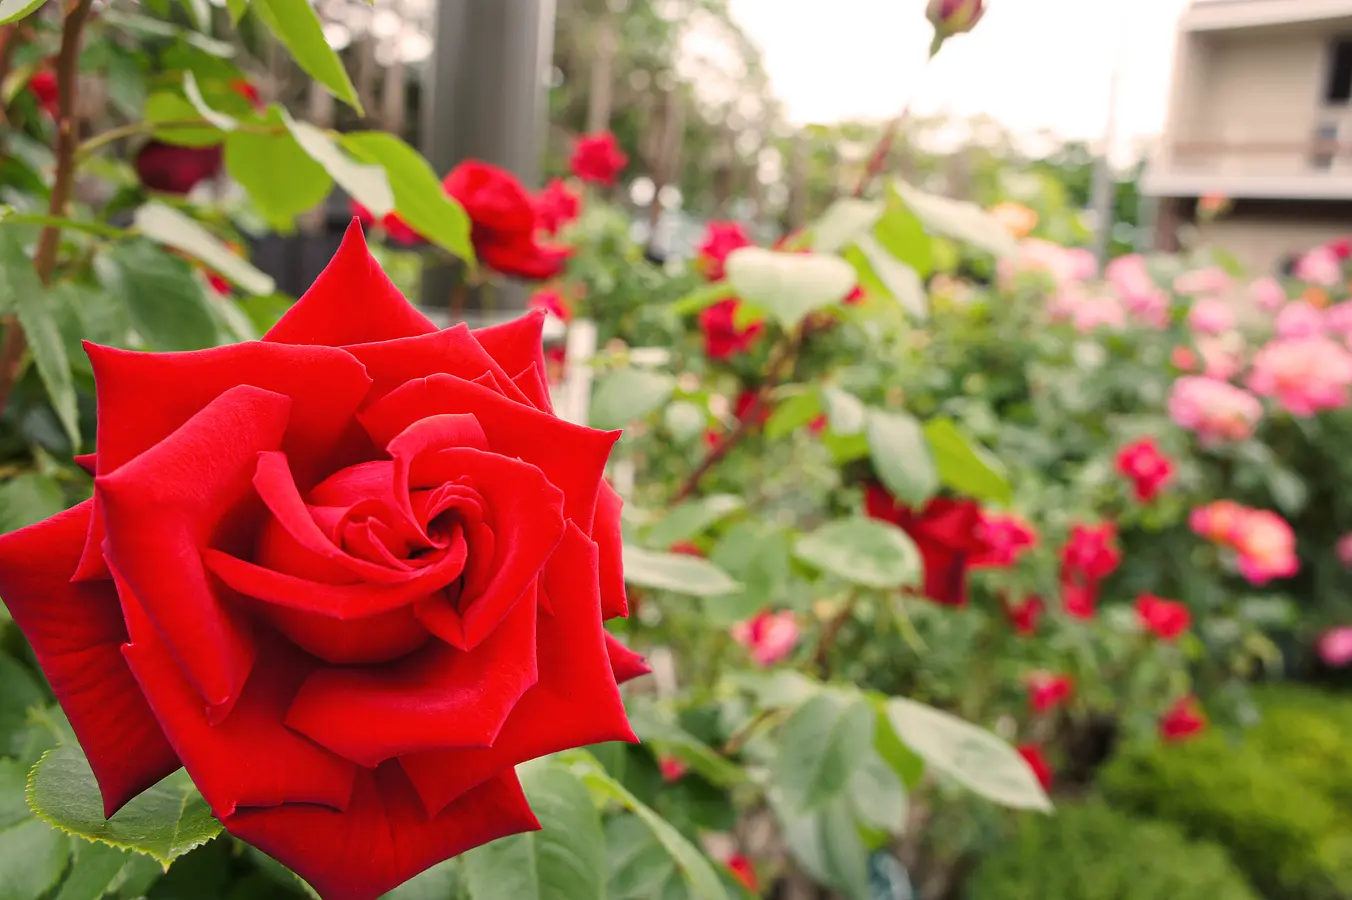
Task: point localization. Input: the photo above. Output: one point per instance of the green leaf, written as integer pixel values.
(702, 297)
(901, 234)
(627, 395)
(761, 561)
(675, 572)
(29, 498)
(96, 867)
(281, 178)
(168, 226)
(828, 846)
(365, 183)
(660, 734)
(699, 875)
(418, 196)
(789, 286)
(563, 861)
(692, 518)
(877, 795)
(164, 822)
(32, 858)
(864, 552)
(957, 219)
(237, 9)
(14, 10)
(194, 95)
(820, 747)
(792, 414)
(844, 222)
(1288, 491)
(165, 302)
(901, 281)
(19, 693)
(126, 84)
(901, 457)
(13, 806)
(151, 27)
(297, 26)
(437, 883)
(973, 756)
(685, 420)
(21, 291)
(845, 414)
(640, 867)
(168, 111)
(964, 466)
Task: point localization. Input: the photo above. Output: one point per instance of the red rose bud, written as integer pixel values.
(171, 169)
(722, 338)
(45, 92)
(339, 576)
(1166, 619)
(947, 533)
(1148, 469)
(598, 159)
(672, 769)
(1047, 691)
(504, 222)
(1025, 614)
(950, 17)
(1183, 720)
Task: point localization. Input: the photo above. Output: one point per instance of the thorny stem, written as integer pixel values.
(67, 143)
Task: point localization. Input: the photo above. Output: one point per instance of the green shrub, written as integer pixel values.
(1093, 852)
(1278, 801)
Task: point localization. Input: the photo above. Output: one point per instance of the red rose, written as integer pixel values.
(720, 239)
(1006, 537)
(1032, 754)
(1079, 596)
(672, 769)
(1025, 614)
(947, 534)
(552, 302)
(1183, 720)
(748, 404)
(1148, 469)
(171, 169)
(348, 577)
(45, 91)
(1047, 691)
(556, 206)
(1091, 551)
(722, 338)
(598, 159)
(504, 222)
(394, 227)
(1166, 619)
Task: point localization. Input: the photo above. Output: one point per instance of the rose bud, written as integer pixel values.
(348, 577)
(950, 17)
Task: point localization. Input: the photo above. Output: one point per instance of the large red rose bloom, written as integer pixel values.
(946, 531)
(504, 221)
(348, 576)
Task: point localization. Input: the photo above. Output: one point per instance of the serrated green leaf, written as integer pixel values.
(901, 457)
(166, 225)
(281, 178)
(297, 26)
(844, 222)
(864, 552)
(970, 755)
(165, 302)
(820, 747)
(627, 395)
(32, 857)
(692, 518)
(163, 822)
(788, 286)
(418, 196)
(675, 572)
(965, 466)
(14, 10)
(565, 860)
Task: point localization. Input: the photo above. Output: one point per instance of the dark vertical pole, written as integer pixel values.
(486, 99)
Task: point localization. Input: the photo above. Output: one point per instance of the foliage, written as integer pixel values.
(1092, 852)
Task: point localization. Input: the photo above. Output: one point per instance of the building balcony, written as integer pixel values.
(1319, 168)
(1230, 15)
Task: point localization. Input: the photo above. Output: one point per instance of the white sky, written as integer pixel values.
(1030, 64)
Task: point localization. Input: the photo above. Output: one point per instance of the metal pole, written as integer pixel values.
(486, 98)
(1105, 186)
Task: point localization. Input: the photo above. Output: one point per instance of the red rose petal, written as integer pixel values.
(625, 663)
(86, 461)
(518, 345)
(385, 837)
(533, 383)
(161, 510)
(574, 703)
(325, 386)
(453, 351)
(438, 699)
(609, 537)
(77, 633)
(352, 301)
(572, 457)
(249, 758)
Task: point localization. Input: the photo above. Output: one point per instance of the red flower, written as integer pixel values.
(745, 402)
(1079, 596)
(171, 169)
(1166, 619)
(855, 297)
(556, 206)
(504, 222)
(687, 548)
(817, 425)
(1024, 615)
(672, 769)
(720, 239)
(1047, 691)
(947, 534)
(45, 91)
(395, 228)
(1148, 468)
(722, 338)
(348, 576)
(555, 357)
(1005, 537)
(245, 89)
(1340, 247)
(1183, 720)
(598, 159)
(1092, 551)
(1032, 754)
(744, 872)
(552, 302)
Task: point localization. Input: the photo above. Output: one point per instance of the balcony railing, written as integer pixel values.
(1269, 158)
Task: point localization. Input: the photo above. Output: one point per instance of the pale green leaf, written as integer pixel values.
(365, 183)
(168, 226)
(789, 286)
(901, 280)
(297, 26)
(97, 867)
(29, 498)
(844, 412)
(627, 395)
(901, 457)
(194, 95)
(820, 747)
(965, 466)
(14, 10)
(32, 857)
(864, 552)
(164, 301)
(281, 178)
(844, 222)
(675, 572)
(692, 518)
(827, 844)
(793, 413)
(958, 219)
(170, 115)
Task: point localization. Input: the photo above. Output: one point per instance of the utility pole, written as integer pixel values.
(486, 98)
(1105, 185)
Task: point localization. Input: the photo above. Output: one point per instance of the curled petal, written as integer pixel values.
(76, 631)
(518, 345)
(452, 351)
(625, 663)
